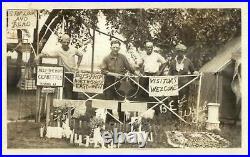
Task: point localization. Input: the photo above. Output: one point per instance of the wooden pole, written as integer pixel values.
(47, 103)
(38, 91)
(93, 50)
(217, 88)
(198, 99)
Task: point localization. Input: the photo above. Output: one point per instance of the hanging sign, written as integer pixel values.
(50, 76)
(163, 86)
(88, 82)
(22, 19)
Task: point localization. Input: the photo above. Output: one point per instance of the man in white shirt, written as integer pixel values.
(151, 66)
(67, 54)
(151, 60)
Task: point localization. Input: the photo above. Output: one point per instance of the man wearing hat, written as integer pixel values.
(182, 65)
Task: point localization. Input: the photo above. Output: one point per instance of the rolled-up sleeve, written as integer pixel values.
(104, 66)
(127, 65)
(78, 53)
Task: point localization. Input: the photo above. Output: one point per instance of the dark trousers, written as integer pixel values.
(144, 82)
(181, 101)
(68, 88)
(111, 94)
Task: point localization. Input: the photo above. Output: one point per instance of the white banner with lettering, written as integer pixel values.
(88, 82)
(163, 86)
(50, 76)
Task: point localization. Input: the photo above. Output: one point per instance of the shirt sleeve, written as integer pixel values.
(161, 59)
(127, 65)
(78, 53)
(52, 53)
(191, 66)
(104, 66)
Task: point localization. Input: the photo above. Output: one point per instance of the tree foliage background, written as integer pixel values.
(203, 31)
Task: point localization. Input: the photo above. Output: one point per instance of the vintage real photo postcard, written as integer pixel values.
(130, 78)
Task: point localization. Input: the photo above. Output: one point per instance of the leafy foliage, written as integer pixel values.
(203, 31)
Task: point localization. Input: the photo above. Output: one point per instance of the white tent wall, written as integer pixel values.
(217, 79)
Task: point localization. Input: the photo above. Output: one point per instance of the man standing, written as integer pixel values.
(181, 65)
(67, 54)
(152, 62)
(113, 65)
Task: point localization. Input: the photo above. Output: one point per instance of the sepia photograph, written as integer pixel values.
(130, 78)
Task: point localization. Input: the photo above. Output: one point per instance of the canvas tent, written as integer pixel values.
(221, 79)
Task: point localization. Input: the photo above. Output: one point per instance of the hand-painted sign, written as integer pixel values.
(22, 19)
(163, 86)
(50, 76)
(88, 82)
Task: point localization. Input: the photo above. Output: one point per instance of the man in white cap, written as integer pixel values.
(67, 54)
(181, 65)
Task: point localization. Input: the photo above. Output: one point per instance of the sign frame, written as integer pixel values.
(63, 80)
(75, 89)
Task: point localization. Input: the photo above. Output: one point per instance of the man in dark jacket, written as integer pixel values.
(182, 65)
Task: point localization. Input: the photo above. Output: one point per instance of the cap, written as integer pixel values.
(180, 47)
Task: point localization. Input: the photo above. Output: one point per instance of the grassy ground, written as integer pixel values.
(26, 134)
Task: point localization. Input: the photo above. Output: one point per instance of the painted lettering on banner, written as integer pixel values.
(88, 82)
(22, 19)
(50, 76)
(163, 86)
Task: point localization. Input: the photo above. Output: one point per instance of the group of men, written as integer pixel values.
(146, 63)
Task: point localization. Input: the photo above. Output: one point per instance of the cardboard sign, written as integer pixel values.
(22, 19)
(106, 104)
(48, 90)
(68, 103)
(88, 82)
(50, 76)
(134, 107)
(163, 86)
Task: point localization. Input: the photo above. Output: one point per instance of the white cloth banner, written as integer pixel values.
(134, 107)
(106, 104)
(80, 110)
(68, 103)
(163, 86)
